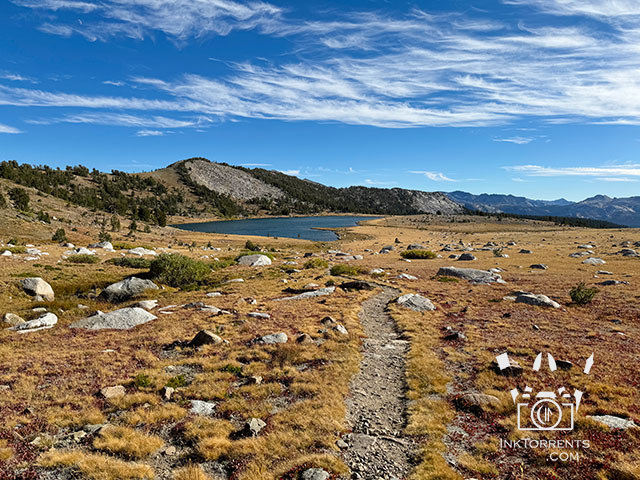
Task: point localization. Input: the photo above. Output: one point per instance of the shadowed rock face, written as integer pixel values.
(230, 181)
(36, 286)
(126, 289)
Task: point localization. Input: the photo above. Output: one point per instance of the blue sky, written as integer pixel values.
(532, 97)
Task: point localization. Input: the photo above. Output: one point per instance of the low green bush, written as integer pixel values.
(60, 236)
(316, 263)
(581, 294)
(131, 262)
(349, 270)
(418, 254)
(178, 270)
(83, 259)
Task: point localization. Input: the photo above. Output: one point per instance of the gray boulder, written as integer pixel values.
(204, 337)
(471, 274)
(313, 293)
(525, 251)
(122, 319)
(254, 260)
(416, 246)
(466, 257)
(416, 302)
(198, 407)
(47, 320)
(613, 422)
(140, 251)
(315, 474)
(538, 266)
(12, 319)
(274, 338)
(536, 300)
(594, 261)
(127, 289)
(36, 286)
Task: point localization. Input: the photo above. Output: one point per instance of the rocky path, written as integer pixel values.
(376, 409)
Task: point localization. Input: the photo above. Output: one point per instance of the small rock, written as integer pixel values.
(259, 315)
(112, 392)
(140, 251)
(340, 329)
(147, 304)
(525, 251)
(47, 320)
(594, 261)
(513, 370)
(466, 257)
(167, 392)
(254, 426)
(204, 337)
(36, 286)
(356, 285)
(315, 474)
(304, 339)
(476, 402)
(564, 364)
(12, 319)
(123, 319)
(538, 266)
(254, 260)
(126, 289)
(198, 407)
(416, 302)
(613, 421)
(170, 451)
(536, 300)
(273, 338)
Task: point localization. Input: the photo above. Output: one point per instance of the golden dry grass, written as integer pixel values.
(126, 442)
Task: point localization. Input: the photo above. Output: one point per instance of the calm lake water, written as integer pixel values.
(289, 227)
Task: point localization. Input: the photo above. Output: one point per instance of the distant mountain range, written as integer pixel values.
(623, 211)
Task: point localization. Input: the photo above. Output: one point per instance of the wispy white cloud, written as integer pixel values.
(379, 183)
(607, 173)
(516, 140)
(590, 8)
(8, 129)
(400, 71)
(178, 19)
(16, 77)
(434, 176)
(150, 133)
(114, 83)
(124, 120)
(290, 172)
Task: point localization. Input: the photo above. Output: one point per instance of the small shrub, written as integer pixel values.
(177, 381)
(83, 259)
(60, 236)
(345, 269)
(44, 216)
(581, 294)
(178, 271)
(104, 236)
(235, 369)
(418, 254)
(249, 245)
(222, 263)
(497, 252)
(316, 263)
(131, 262)
(15, 250)
(142, 381)
(445, 279)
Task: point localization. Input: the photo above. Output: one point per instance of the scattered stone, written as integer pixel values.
(204, 337)
(466, 257)
(104, 245)
(112, 392)
(6, 253)
(36, 286)
(304, 339)
(235, 280)
(259, 315)
(341, 444)
(198, 407)
(594, 261)
(254, 380)
(586, 246)
(603, 272)
(12, 319)
(524, 250)
(538, 266)
(608, 283)
(406, 276)
(273, 338)
(452, 335)
(214, 294)
(386, 249)
(122, 319)
(416, 302)
(81, 251)
(253, 427)
(311, 294)
(340, 329)
(315, 474)
(376, 271)
(127, 289)
(471, 274)
(47, 320)
(416, 246)
(536, 300)
(147, 304)
(629, 252)
(254, 260)
(140, 251)
(613, 421)
(170, 451)
(513, 370)
(167, 392)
